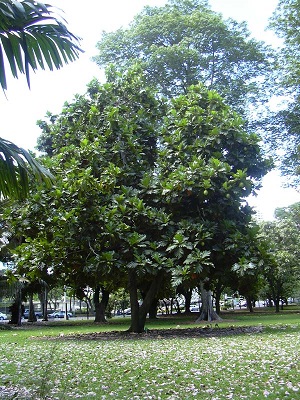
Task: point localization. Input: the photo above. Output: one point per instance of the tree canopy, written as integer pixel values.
(145, 189)
(184, 43)
(154, 166)
(280, 244)
(284, 124)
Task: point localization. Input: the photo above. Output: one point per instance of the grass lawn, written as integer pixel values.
(250, 366)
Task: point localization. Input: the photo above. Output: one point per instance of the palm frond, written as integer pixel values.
(31, 36)
(17, 166)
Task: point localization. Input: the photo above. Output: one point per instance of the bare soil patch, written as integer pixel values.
(206, 331)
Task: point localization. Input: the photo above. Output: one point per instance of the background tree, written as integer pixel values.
(248, 278)
(284, 124)
(31, 37)
(184, 43)
(280, 239)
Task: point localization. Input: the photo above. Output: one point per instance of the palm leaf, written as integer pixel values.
(31, 36)
(17, 166)
(2, 73)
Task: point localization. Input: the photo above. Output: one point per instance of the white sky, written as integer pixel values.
(49, 90)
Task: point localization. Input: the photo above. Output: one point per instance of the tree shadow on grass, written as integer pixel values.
(173, 333)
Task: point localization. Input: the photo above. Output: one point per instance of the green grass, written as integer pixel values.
(258, 366)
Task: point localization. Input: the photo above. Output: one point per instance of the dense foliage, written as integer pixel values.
(150, 191)
(280, 239)
(184, 43)
(284, 125)
(144, 190)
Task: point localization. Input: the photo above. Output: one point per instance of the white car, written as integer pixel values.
(2, 316)
(59, 314)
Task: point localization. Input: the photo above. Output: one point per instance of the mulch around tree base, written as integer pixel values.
(206, 331)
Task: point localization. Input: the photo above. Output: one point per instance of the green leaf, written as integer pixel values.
(29, 34)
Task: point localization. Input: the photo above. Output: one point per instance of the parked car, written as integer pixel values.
(2, 316)
(59, 314)
(38, 314)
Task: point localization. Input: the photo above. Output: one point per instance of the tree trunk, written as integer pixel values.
(153, 309)
(16, 310)
(100, 306)
(217, 298)
(136, 325)
(178, 310)
(139, 313)
(187, 303)
(276, 297)
(166, 303)
(171, 306)
(270, 302)
(31, 315)
(249, 304)
(218, 291)
(277, 304)
(45, 304)
(13, 309)
(207, 313)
